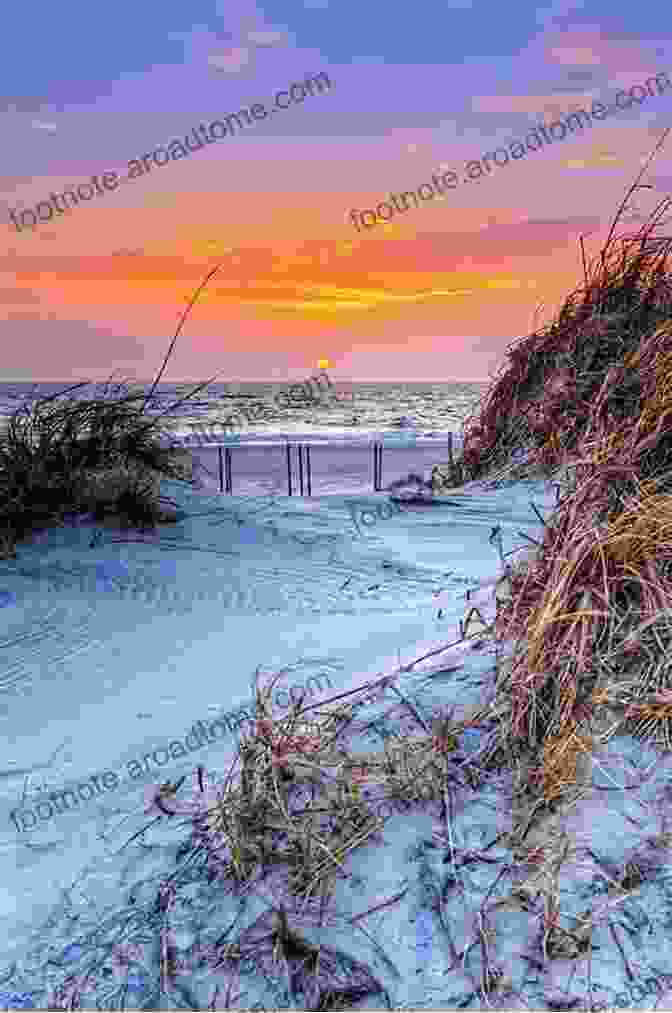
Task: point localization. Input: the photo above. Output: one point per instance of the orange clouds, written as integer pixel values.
(591, 47)
(575, 56)
(534, 104)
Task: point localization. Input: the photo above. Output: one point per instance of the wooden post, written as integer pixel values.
(289, 470)
(308, 470)
(300, 470)
(229, 476)
(377, 466)
(221, 470)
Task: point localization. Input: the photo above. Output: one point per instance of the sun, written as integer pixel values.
(324, 364)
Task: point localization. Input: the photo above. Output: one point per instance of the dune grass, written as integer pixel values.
(61, 456)
(590, 397)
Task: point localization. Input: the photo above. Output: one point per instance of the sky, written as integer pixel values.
(286, 201)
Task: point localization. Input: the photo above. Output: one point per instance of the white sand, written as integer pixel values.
(91, 679)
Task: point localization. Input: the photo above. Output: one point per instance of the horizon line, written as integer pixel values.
(172, 383)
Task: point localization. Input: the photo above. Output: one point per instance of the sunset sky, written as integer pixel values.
(435, 294)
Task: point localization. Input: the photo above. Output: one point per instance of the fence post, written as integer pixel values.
(229, 475)
(226, 472)
(377, 466)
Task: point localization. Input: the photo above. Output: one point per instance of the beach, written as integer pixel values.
(336, 561)
(176, 635)
(129, 661)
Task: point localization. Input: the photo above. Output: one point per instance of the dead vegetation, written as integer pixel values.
(590, 399)
(61, 456)
(295, 806)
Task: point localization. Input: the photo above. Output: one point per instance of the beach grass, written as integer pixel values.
(590, 396)
(102, 457)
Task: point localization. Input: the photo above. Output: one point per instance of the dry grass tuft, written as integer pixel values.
(293, 809)
(300, 799)
(63, 456)
(590, 400)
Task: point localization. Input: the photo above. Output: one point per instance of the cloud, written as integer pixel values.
(627, 78)
(22, 296)
(588, 76)
(230, 61)
(598, 159)
(556, 13)
(577, 55)
(49, 343)
(535, 104)
(267, 37)
(589, 46)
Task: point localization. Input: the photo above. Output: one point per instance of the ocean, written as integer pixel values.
(359, 408)
(412, 420)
